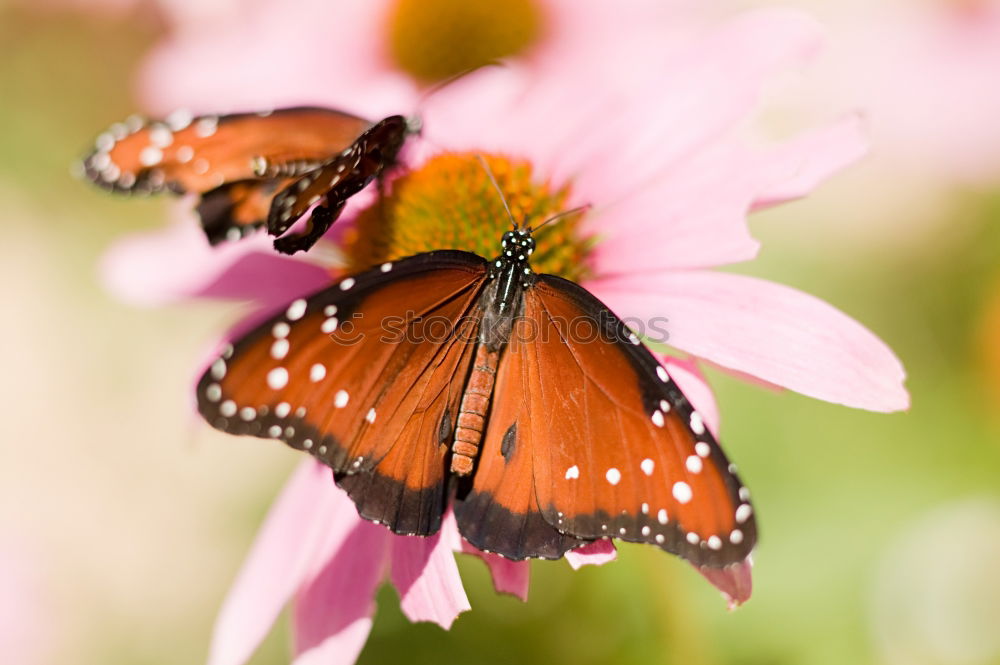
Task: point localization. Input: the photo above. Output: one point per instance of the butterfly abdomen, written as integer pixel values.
(472, 413)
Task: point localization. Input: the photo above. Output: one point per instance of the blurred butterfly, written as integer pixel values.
(518, 397)
(252, 169)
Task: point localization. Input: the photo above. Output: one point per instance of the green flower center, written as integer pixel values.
(450, 203)
(434, 39)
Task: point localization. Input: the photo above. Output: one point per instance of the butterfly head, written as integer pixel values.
(517, 246)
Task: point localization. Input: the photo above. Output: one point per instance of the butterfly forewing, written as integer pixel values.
(606, 442)
(356, 376)
(252, 169)
(197, 154)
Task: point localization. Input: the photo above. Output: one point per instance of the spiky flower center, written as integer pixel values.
(450, 203)
(434, 39)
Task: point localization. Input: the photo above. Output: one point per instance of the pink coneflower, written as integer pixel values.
(657, 153)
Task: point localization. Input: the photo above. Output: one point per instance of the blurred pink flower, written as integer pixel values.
(926, 73)
(658, 154)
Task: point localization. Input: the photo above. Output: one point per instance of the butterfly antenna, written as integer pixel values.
(440, 85)
(496, 185)
(558, 216)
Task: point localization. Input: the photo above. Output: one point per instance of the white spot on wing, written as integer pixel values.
(613, 475)
(281, 329)
(279, 349)
(296, 310)
(697, 424)
(150, 156)
(572, 472)
(682, 491)
(317, 372)
(347, 283)
(161, 136)
(693, 464)
(662, 373)
(206, 126)
(743, 512)
(277, 378)
(658, 418)
(370, 417)
(340, 399)
(703, 449)
(647, 466)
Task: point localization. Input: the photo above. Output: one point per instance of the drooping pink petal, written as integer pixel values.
(424, 572)
(342, 648)
(690, 380)
(596, 553)
(734, 581)
(772, 331)
(511, 577)
(300, 532)
(176, 263)
(333, 610)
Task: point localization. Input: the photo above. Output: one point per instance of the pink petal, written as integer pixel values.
(799, 166)
(596, 553)
(697, 216)
(159, 267)
(511, 577)
(332, 613)
(771, 331)
(734, 581)
(301, 531)
(691, 381)
(426, 575)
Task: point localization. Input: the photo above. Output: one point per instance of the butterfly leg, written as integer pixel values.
(319, 222)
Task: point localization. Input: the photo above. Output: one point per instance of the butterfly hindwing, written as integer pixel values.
(607, 446)
(334, 183)
(236, 209)
(365, 376)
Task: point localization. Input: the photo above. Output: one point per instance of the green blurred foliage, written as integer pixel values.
(833, 487)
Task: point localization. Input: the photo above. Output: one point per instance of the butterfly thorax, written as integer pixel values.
(510, 273)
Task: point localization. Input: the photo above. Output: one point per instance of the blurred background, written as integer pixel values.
(123, 520)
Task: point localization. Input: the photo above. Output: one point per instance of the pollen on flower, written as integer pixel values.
(450, 203)
(435, 39)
